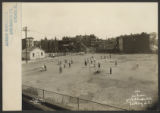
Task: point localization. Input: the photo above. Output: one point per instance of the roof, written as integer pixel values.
(30, 49)
(28, 38)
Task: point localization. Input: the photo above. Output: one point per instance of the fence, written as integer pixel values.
(66, 101)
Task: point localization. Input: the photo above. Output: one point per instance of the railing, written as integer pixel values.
(66, 101)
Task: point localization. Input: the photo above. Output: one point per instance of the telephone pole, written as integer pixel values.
(26, 30)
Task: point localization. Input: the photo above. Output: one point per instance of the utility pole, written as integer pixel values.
(26, 30)
(55, 46)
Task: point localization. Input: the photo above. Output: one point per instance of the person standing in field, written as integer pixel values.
(99, 65)
(85, 63)
(69, 63)
(110, 70)
(45, 67)
(115, 63)
(60, 69)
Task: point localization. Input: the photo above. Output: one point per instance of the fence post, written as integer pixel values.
(78, 103)
(43, 95)
(62, 99)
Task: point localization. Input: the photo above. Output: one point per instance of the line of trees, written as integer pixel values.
(67, 44)
(91, 42)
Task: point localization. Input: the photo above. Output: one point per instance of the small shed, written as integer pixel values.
(33, 53)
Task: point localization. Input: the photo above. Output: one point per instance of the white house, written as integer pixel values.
(33, 53)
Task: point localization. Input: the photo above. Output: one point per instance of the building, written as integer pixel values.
(109, 45)
(30, 51)
(138, 43)
(27, 42)
(33, 53)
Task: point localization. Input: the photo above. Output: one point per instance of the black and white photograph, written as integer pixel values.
(94, 56)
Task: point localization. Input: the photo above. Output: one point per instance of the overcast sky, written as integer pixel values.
(105, 20)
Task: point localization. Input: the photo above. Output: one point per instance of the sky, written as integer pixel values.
(105, 20)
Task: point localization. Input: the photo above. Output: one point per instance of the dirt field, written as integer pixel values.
(133, 72)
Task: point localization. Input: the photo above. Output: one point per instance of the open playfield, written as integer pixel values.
(119, 76)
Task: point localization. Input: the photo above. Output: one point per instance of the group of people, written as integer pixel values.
(96, 64)
(64, 64)
(89, 61)
(92, 61)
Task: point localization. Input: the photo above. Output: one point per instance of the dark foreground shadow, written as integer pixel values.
(28, 106)
(154, 107)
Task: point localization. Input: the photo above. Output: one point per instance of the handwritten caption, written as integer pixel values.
(139, 99)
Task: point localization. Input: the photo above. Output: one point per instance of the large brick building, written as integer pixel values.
(139, 43)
